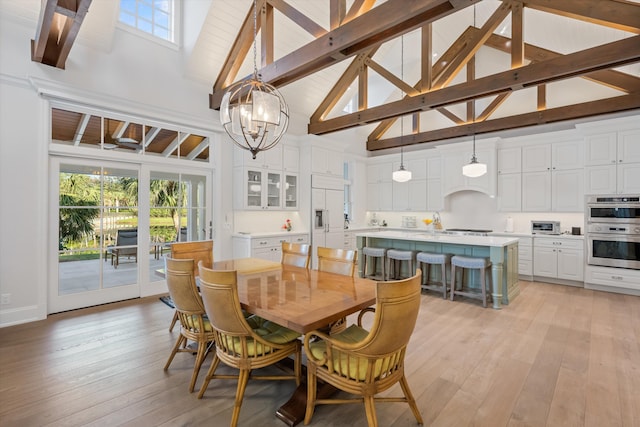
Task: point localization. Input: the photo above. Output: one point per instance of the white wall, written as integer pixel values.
(137, 78)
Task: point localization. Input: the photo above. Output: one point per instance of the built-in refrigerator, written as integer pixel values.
(327, 202)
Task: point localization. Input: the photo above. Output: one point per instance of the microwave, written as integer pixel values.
(545, 227)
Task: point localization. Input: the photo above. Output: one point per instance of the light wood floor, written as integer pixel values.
(557, 356)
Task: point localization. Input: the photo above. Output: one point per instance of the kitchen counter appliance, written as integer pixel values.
(467, 232)
(613, 231)
(545, 227)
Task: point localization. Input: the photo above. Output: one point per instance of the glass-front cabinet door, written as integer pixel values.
(273, 190)
(254, 186)
(291, 191)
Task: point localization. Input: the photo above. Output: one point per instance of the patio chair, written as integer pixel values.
(366, 363)
(126, 237)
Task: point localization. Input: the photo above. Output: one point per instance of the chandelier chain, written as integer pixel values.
(255, 37)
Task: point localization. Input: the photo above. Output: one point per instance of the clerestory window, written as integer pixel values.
(154, 17)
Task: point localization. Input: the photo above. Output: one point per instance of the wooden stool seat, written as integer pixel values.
(467, 262)
(394, 262)
(372, 255)
(429, 258)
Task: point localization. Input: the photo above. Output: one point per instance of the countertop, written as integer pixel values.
(259, 235)
(493, 241)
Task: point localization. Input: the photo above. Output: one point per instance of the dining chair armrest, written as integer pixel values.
(363, 312)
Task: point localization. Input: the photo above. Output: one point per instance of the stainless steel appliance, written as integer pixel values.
(545, 227)
(613, 231)
(613, 209)
(467, 232)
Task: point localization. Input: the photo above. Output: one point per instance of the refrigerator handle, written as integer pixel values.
(326, 220)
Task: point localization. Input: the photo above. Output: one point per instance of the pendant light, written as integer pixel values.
(474, 169)
(401, 175)
(254, 113)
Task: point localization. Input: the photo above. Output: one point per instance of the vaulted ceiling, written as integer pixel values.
(408, 72)
(466, 81)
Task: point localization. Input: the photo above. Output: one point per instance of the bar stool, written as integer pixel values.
(476, 263)
(394, 263)
(371, 255)
(429, 259)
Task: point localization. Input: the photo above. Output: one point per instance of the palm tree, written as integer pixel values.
(76, 222)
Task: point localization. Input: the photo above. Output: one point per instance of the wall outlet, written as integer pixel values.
(5, 299)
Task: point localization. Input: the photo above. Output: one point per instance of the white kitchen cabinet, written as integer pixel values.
(260, 189)
(411, 195)
(328, 162)
(612, 279)
(558, 258)
(613, 163)
(290, 192)
(379, 186)
(510, 192)
(265, 247)
(290, 159)
(525, 257)
(435, 199)
(553, 177)
(509, 160)
(268, 159)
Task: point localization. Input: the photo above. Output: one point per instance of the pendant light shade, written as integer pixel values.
(254, 113)
(401, 175)
(474, 169)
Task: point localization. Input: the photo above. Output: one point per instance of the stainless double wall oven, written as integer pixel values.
(613, 230)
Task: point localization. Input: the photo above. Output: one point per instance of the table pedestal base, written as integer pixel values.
(292, 412)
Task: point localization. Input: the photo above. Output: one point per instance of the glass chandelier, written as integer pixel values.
(474, 169)
(254, 113)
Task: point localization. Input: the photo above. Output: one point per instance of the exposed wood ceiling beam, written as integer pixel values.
(358, 8)
(58, 27)
(380, 24)
(570, 112)
(609, 55)
(298, 17)
(611, 78)
(175, 143)
(615, 14)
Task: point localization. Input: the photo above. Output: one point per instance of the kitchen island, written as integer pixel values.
(502, 251)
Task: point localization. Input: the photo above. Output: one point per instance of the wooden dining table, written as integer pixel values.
(300, 299)
(297, 298)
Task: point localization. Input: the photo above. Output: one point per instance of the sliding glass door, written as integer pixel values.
(112, 222)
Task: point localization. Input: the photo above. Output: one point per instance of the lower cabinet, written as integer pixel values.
(265, 247)
(525, 257)
(620, 280)
(558, 258)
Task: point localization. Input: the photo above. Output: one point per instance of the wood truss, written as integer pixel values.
(359, 32)
(58, 27)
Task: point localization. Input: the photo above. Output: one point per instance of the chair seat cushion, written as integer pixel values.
(353, 367)
(271, 331)
(433, 258)
(193, 323)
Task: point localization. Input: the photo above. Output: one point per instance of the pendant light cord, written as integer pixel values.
(401, 97)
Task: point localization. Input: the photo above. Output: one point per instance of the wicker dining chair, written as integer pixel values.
(197, 251)
(243, 343)
(296, 254)
(194, 325)
(365, 363)
(339, 261)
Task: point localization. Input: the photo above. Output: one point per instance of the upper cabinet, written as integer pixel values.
(328, 162)
(411, 195)
(613, 162)
(552, 176)
(270, 181)
(379, 186)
